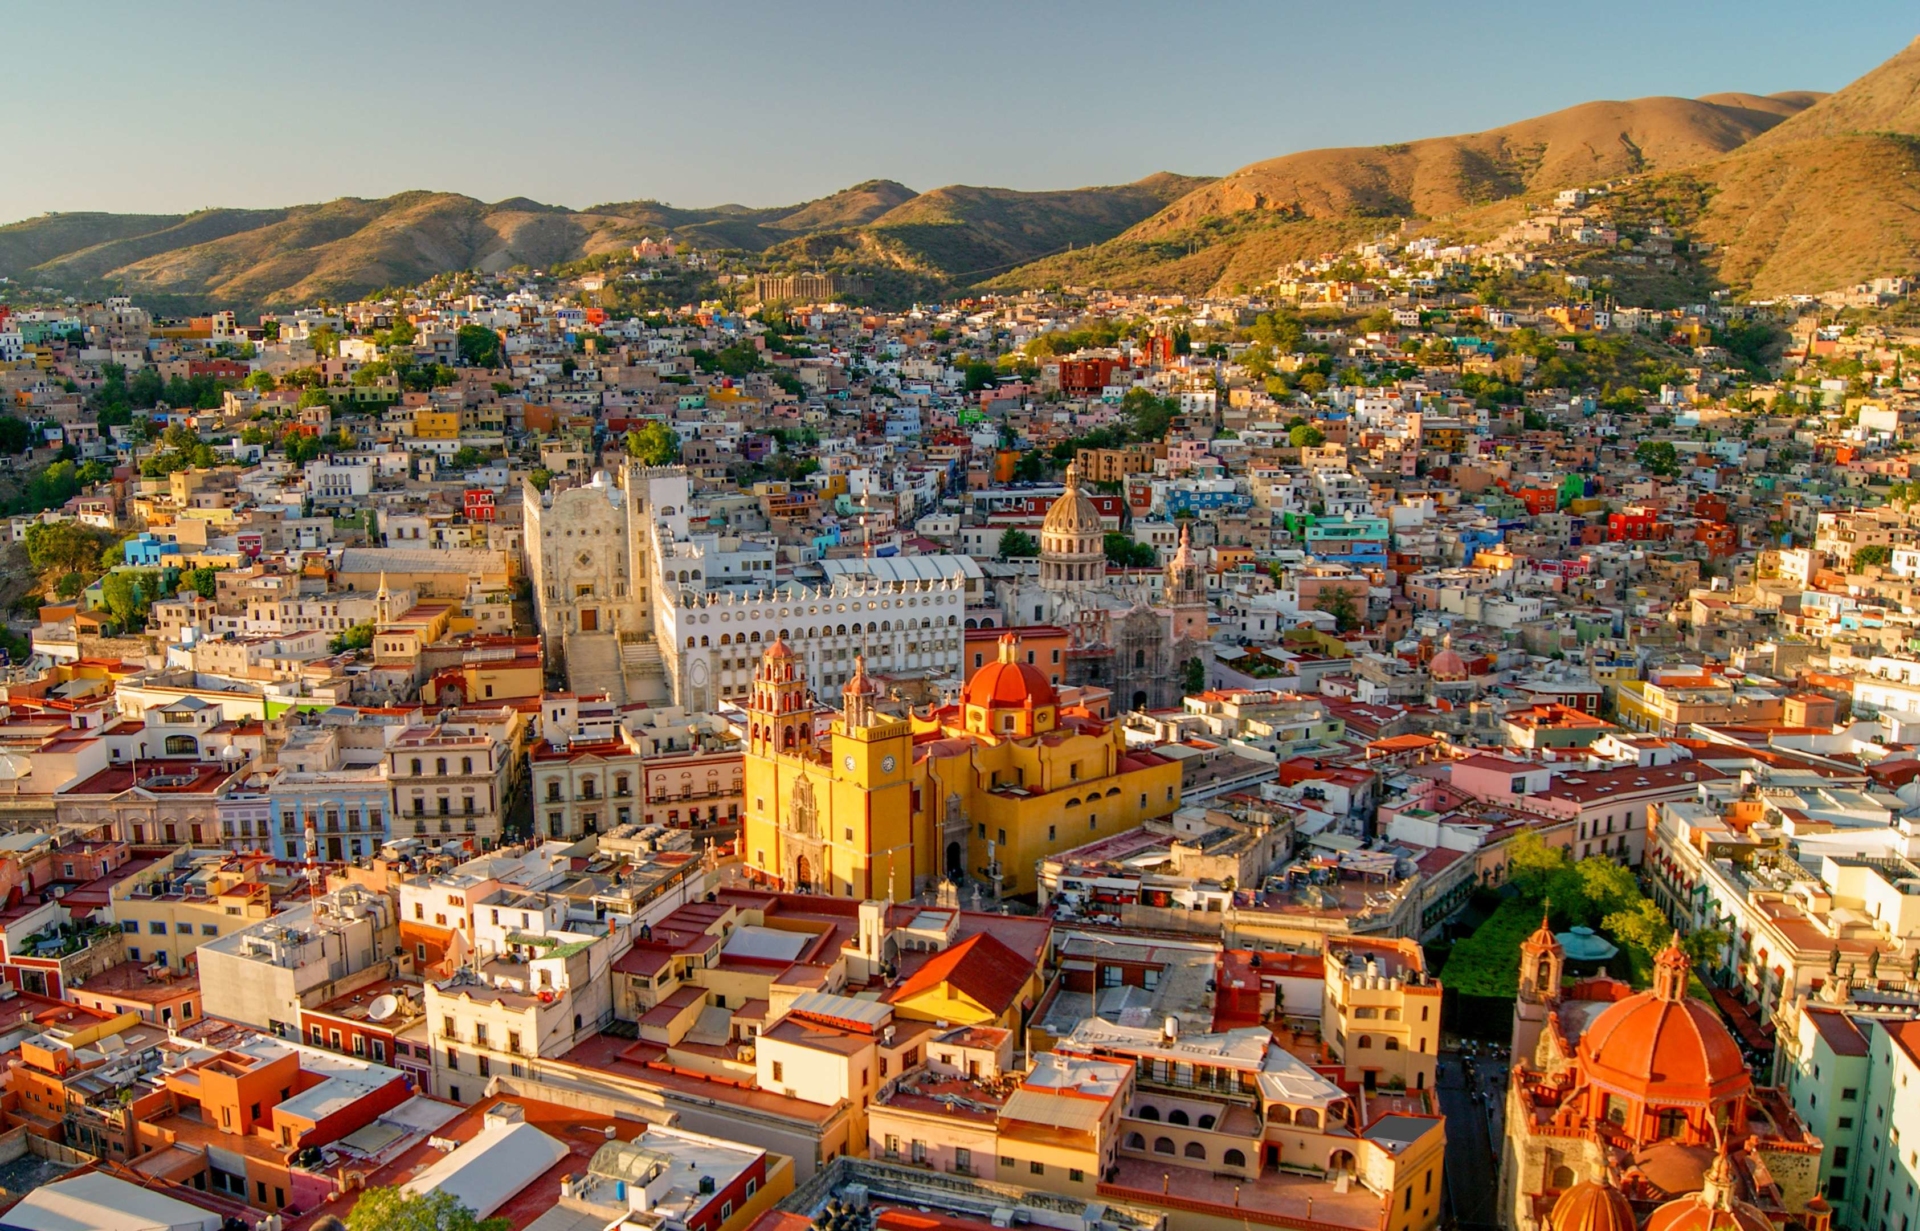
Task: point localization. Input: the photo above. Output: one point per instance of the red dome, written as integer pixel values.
(780, 649)
(1702, 1212)
(1664, 1051)
(1591, 1207)
(1010, 685)
(1007, 683)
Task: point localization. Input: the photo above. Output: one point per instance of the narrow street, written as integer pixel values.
(1472, 1096)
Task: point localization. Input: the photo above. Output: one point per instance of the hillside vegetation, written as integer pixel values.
(269, 258)
(1235, 230)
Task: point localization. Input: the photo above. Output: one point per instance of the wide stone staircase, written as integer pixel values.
(644, 672)
(594, 665)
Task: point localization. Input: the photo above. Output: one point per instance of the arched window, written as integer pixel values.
(1234, 1158)
(726, 638)
(690, 643)
(1136, 1142)
(1281, 1114)
(1150, 1113)
(703, 642)
(1196, 1150)
(1393, 1044)
(182, 746)
(1364, 1041)
(1163, 1145)
(1205, 1122)
(1306, 1117)
(1177, 1116)
(1562, 1178)
(440, 766)
(1393, 1015)
(466, 765)
(416, 767)
(1074, 802)
(1340, 1160)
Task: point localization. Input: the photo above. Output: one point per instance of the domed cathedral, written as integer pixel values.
(1125, 637)
(1073, 542)
(895, 800)
(1637, 1112)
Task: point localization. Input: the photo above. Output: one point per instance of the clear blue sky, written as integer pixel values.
(162, 108)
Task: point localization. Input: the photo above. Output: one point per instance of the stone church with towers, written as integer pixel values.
(1637, 1111)
(1128, 636)
(588, 562)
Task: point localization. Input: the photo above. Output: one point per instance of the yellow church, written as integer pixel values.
(885, 806)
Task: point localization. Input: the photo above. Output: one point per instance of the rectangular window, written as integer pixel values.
(1036, 1167)
(779, 1071)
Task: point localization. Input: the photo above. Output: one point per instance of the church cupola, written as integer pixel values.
(1073, 551)
(1670, 971)
(1542, 962)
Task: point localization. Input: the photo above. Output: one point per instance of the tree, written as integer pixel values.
(1338, 603)
(1031, 468)
(1148, 417)
(129, 594)
(325, 340)
(1125, 552)
(1873, 553)
(262, 382)
(390, 1209)
(200, 581)
(1306, 436)
(70, 585)
(541, 478)
(979, 376)
(1018, 545)
(479, 347)
(656, 444)
(359, 637)
(466, 457)
(1658, 457)
(1193, 676)
(15, 435)
(65, 545)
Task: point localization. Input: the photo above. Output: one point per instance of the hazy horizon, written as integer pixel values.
(213, 106)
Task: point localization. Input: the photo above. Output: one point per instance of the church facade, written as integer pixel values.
(887, 804)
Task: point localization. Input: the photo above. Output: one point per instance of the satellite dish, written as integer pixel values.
(382, 1008)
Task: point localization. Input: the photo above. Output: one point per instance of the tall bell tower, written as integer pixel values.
(778, 713)
(1543, 961)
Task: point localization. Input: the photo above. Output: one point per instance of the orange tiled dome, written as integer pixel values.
(1447, 665)
(1664, 1047)
(1591, 1207)
(1009, 684)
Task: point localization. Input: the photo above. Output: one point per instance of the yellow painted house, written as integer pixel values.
(982, 790)
(978, 982)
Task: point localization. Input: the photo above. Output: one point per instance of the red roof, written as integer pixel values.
(1010, 684)
(980, 968)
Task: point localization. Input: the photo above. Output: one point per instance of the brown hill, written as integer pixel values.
(1439, 175)
(1235, 230)
(850, 207)
(1887, 99)
(263, 258)
(1827, 198)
